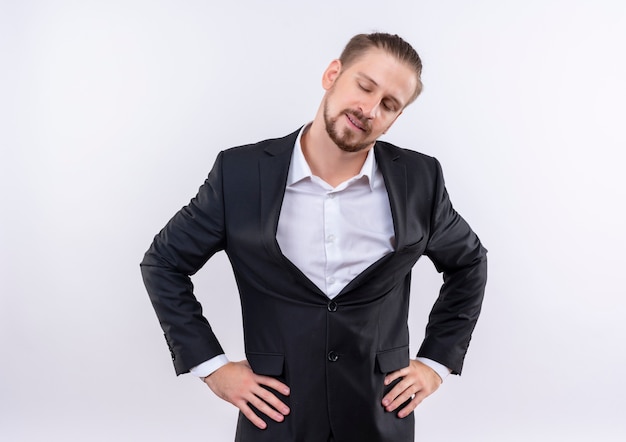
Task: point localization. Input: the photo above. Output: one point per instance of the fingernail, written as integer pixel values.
(385, 402)
(286, 391)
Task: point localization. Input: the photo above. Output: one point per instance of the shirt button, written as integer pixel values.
(331, 195)
(332, 306)
(332, 356)
(331, 280)
(331, 238)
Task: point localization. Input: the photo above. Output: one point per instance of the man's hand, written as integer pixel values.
(236, 383)
(418, 381)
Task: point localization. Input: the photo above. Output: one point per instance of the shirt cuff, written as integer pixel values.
(440, 369)
(208, 367)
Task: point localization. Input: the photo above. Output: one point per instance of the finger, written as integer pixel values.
(272, 383)
(396, 375)
(269, 398)
(411, 406)
(264, 408)
(251, 416)
(400, 397)
(397, 390)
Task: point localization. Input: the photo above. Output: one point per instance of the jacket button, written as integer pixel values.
(332, 306)
(332, 356)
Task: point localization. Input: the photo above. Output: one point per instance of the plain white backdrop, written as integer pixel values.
(112, 113)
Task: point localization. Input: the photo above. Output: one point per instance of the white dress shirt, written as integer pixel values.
(332, 234)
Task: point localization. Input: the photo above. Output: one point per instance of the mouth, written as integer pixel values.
(356, 122)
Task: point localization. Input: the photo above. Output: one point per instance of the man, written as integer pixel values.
(322, 228)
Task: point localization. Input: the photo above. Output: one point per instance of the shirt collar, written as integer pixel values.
(299, 168)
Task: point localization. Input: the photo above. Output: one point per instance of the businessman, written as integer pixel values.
(322, 228)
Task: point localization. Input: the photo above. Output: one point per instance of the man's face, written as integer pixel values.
(364, 99)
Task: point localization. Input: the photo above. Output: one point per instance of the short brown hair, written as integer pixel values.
(392, 44)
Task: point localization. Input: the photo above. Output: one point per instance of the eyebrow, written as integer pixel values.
(371, 80)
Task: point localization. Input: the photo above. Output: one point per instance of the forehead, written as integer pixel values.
(384, 69)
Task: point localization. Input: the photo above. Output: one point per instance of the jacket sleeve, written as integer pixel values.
(456, 251)
(184, 245)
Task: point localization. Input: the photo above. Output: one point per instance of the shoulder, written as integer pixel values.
(387, 152)
(270, 146)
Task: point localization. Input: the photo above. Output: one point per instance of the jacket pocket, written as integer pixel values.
(392, 360)
(268, 364)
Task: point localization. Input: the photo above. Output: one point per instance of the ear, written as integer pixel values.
(394, 120)
(331, 74)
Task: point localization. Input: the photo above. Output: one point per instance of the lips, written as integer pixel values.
(356, 122)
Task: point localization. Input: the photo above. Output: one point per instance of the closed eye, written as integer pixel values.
(389, 106)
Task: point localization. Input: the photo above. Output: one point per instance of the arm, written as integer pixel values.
(184, 245)
(188, 240)
(456, 251)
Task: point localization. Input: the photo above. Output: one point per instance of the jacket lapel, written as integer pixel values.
(394, 174)
(273, 171)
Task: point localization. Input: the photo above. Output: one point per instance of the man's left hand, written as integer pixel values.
(417, 382)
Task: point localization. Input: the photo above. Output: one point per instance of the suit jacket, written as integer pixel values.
(335, 353)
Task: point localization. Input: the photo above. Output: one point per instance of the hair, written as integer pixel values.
(392, 44)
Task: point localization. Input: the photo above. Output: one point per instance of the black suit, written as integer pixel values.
(332, 353)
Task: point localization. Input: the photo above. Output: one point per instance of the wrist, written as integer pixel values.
(206, 368)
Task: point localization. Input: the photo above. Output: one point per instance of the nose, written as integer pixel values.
(370, 107)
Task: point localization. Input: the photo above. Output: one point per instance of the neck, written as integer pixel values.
(326, 160)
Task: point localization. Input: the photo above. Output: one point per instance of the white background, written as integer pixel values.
(112, 112)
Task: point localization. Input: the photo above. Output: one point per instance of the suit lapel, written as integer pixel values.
(273, 171)
(394, 174)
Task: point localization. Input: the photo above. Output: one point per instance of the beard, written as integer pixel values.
(348, 140)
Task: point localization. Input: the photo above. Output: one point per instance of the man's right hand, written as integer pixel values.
(236, 383)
